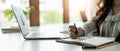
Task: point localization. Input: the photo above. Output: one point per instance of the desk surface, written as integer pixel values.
(15, 42)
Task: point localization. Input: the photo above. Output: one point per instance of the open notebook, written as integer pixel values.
(88, 41)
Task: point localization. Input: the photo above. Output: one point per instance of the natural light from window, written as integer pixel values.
(6, 5)
(75, 7)
(51, 12)
(77, 4)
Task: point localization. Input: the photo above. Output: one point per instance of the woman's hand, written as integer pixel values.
(73, 34)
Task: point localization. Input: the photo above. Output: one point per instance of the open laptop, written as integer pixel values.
(27, 34)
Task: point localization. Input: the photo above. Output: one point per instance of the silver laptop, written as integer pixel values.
(27, 34)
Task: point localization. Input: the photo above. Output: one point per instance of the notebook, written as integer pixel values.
(28, 34)
(98, 42)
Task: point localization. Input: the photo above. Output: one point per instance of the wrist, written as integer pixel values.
(81, 32)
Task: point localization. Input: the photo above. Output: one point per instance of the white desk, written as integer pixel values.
(15, 42)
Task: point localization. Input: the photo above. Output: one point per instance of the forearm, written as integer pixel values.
(89, 27)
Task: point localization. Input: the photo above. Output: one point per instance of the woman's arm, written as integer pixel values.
(89, 26)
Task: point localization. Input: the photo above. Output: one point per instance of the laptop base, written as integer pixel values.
(42, 38)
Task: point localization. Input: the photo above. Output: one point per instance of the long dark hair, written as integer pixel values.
(103, 11)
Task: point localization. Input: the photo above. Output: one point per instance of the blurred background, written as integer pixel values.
(50, 11)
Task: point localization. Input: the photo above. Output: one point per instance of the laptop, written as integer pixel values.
(26, 32)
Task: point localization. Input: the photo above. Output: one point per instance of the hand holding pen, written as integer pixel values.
(75, 32)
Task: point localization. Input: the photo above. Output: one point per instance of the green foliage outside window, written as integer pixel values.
(9, 13)
(52, 16)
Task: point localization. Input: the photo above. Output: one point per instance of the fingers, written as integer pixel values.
(71, 26)
(73, 35)
(72, 31)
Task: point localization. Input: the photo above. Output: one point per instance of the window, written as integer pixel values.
(6, 5)
(51, 12)
(75, 7)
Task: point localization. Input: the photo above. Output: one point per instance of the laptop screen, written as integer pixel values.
(21, 19)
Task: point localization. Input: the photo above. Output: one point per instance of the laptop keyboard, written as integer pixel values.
(35, 34)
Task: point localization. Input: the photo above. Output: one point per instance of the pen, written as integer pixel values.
(76, 32)
(89, 47)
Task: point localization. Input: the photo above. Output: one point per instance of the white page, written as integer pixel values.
(91, 40)
(78, 39)
(97, 41)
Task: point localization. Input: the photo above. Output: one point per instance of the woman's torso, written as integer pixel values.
(111, 25)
